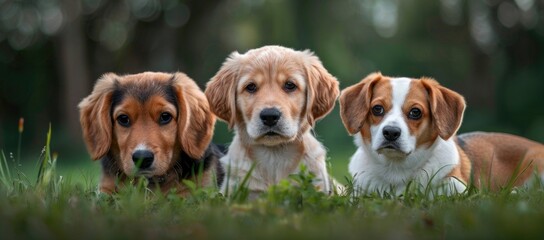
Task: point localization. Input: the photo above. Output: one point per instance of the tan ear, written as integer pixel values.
(355, 102)
(94, 116)
(322, 88)
(221, 89)
(447, 108)
(195, 119)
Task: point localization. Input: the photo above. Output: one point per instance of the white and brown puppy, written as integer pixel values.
(272, 97)
(405, 131)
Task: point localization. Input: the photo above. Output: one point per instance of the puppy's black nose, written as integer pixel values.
(143, 158)
(270, 116)
(391, 133)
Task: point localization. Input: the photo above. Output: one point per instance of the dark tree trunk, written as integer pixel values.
(74, 74)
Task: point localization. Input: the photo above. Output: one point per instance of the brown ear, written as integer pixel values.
(322, 88)
(447, 108)
(195, 119)
(221, 89)
(94, 116)
(355, 102)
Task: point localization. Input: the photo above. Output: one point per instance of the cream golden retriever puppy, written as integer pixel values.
(272, 96)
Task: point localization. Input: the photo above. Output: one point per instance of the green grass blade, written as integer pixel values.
(241, 191)
(5, 174)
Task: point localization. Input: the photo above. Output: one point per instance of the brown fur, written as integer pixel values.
(95, 117)
(322, 89)
(498, 158)
(447, 108)
(221, 90)
(355, 103)
(422, 128)
(463, 170)
(143, 98)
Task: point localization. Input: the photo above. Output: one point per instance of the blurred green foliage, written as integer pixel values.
(51, 52)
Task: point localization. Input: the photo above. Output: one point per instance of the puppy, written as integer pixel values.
(405, 131)
(272, 97)
(155, 125)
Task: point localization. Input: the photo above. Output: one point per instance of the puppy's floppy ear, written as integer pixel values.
(94, 116)
(221, 89)
(355, 102)
(322, 88)
(447, 108)
(195, 119)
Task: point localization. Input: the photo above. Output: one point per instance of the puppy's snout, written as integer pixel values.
(391, 133)
(143, 158)
(270, 116)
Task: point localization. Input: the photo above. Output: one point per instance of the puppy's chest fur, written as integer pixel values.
(272, 164)
(275, 163)
(426, 165)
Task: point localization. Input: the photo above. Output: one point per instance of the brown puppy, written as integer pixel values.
(405, 130)
(154, 125)
(272, 96)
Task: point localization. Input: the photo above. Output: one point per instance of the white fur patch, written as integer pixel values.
(424, 166)
(141, 146)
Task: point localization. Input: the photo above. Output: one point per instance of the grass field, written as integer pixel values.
(49, 203)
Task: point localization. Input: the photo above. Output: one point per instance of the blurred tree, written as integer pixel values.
(73, 68)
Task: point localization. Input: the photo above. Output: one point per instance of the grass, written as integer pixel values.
(48, 205)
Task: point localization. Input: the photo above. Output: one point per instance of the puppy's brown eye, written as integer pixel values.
(251, 88)
(415, 113)
(165, 118)
(123, 120)
(289, 86)
(378, 110)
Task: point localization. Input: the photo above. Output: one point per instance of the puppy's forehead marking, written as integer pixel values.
(395, 117)
(401, 87)
(141, 146)
(143, 90)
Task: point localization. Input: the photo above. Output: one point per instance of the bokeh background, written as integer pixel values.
(52, 52)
